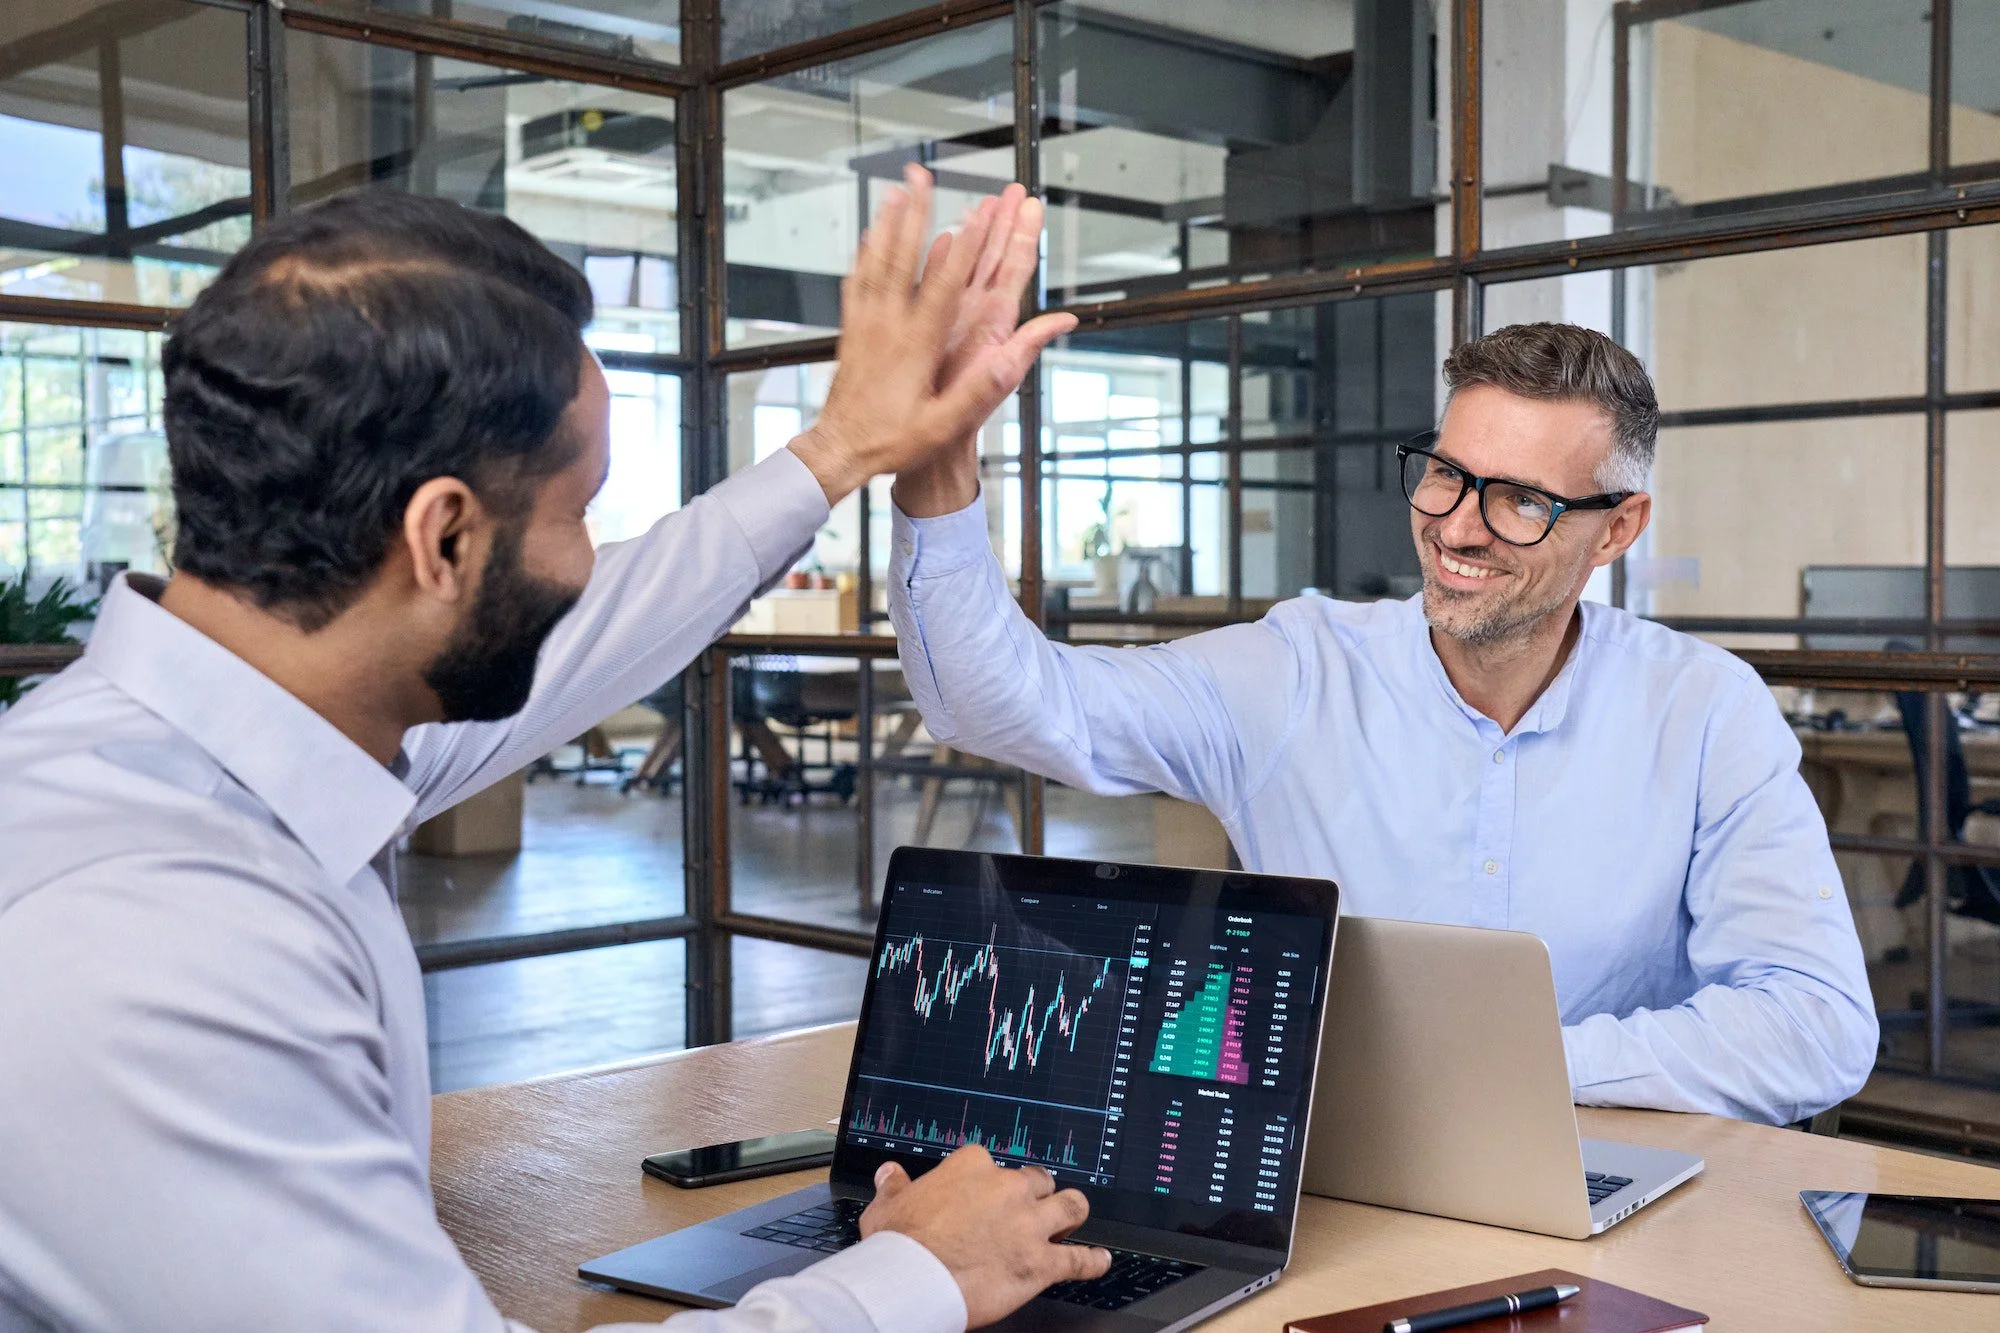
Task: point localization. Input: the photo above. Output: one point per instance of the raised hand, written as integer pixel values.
(904, 389)
(948, 480)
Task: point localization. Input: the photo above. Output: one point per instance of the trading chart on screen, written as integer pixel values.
(1117, 1043)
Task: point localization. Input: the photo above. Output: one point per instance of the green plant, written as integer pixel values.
(45, 619)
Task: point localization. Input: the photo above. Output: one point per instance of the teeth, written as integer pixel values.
(1465, 571)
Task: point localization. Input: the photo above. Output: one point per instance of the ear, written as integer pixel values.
(1628, 520)
(440, 531)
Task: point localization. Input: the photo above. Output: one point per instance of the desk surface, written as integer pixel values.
(532, 1179)
(1888, 749)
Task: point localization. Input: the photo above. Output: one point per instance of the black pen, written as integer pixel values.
(1519, 1303)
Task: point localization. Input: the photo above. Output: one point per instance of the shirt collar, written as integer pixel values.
(1545, 714)
(340, 804)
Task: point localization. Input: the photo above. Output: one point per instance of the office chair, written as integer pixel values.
(1970, 891)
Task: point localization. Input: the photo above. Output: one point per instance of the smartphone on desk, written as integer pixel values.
(745, 1159)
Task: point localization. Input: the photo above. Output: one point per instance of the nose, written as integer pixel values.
(1463, 528)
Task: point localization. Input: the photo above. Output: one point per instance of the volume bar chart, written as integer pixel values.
(1046, 1141)
(1202, 1035)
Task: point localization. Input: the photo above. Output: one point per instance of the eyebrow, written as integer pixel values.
(1509, 481)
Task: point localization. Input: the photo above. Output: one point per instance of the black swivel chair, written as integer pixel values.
(1970, 891)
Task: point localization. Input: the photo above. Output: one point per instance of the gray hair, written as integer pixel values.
(1568, 363)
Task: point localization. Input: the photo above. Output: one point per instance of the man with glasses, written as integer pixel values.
(1495, 752)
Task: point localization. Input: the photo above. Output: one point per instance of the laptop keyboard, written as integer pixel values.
(1133, 1277)
(836, 1224)
(1602, 1187)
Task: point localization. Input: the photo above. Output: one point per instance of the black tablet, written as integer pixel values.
(1911, 1240)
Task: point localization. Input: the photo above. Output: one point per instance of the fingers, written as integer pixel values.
(1006, 217)
(1062, 1212)
(890, 1180)
(1077, 1263)
(996, 372)
(1040, 1183)
(913, 223)
(1021, 250)
(871, 258)
(944, 284)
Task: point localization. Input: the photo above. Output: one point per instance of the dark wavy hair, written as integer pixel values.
(348, 354)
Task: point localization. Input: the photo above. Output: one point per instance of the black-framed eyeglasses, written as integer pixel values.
(1516, 513)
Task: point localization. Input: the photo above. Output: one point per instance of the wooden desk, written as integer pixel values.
(1866, 786)
(532, 1179)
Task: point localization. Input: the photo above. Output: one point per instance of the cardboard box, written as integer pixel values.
(486, 821)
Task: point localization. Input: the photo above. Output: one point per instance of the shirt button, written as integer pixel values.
(1499, 756)
(1492, 867)
(1825, 891)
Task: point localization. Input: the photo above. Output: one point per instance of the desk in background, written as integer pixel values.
(1866, 786)
(532, 1179)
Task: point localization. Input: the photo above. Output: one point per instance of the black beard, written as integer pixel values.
(487, 670)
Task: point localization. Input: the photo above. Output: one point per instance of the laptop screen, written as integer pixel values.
(1146, 1034)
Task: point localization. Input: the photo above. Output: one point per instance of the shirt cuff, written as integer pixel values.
(941, 545)
(901, 1285)
(780, 507)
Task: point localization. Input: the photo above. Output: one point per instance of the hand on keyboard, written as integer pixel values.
(997, 1230)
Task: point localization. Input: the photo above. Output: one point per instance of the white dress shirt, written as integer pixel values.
(1646, 818)
(214, 1082)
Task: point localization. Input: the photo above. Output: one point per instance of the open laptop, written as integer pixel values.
(1146, 1034)
(1443, 1088)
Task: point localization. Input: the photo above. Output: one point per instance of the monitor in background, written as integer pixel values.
(1896, 592)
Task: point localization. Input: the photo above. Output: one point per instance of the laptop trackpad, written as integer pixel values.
(734, 1289)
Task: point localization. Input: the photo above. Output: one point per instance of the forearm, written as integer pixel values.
(886, 1284)
(1112, 721)
(1775, 1051)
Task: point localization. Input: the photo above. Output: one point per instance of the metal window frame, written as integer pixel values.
(1943, 198)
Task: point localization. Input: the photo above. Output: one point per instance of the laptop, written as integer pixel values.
(1443, 1088)
(1146, 1034)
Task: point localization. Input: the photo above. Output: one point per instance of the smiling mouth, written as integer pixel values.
(1464, 570)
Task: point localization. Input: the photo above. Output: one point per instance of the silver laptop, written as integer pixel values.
(1147, 1034)
(1443, 1088)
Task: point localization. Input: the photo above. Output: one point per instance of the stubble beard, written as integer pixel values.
(1481, 620)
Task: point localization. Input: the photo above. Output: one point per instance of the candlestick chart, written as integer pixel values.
(1001, 1032)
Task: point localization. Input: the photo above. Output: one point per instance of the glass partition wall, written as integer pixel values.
(1272, 221)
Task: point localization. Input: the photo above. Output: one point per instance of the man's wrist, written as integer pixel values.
(941, 488)
(831, 461)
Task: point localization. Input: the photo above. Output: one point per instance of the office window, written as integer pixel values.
(1824, 323)
(1975, 86)
(125, 132)
(1730, 109)
(1972, 303)
(783, 986)
(83, 460)
(644, 29)
(1117, 408)
(590, 170)
(753, 26)
(1188, 143)
(1754, 519)
(806, 156)
(644, 484)
(504, 1022)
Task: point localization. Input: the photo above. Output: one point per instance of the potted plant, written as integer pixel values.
(1103, 562)
(44, 619)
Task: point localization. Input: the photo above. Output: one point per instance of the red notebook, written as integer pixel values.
(1601, 1307)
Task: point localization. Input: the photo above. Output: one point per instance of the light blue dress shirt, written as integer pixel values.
(214, 1083)
(1646, 818)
